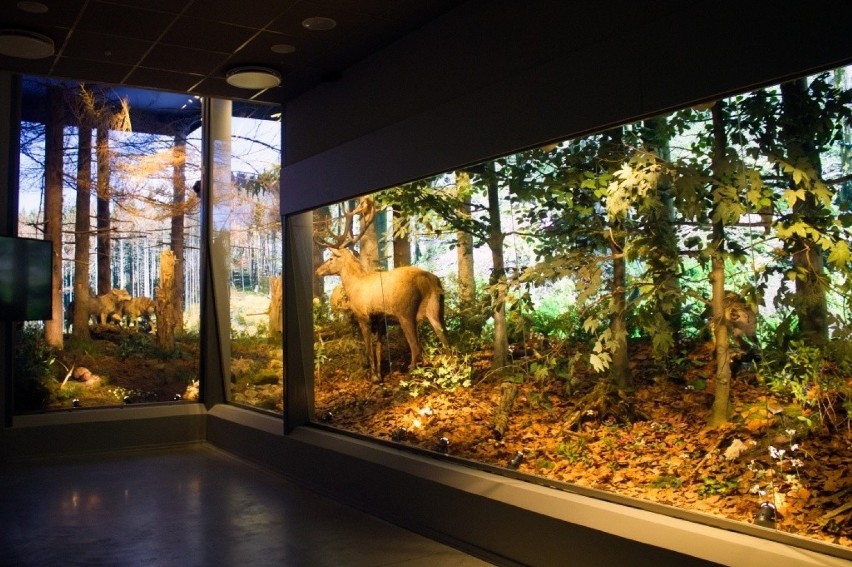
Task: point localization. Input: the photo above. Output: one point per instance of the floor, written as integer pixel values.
(190, 506)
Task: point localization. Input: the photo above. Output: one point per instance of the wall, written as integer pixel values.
(88, 431)
(491, 77)
(504, 520)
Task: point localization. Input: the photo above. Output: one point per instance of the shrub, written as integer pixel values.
(33, 361)
(804, 373)
(446, 371)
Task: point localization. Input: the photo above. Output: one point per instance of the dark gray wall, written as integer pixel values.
(494, 76)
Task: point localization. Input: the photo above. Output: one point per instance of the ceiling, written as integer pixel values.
(188, 46)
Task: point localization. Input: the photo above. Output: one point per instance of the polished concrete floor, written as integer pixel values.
(190, 506)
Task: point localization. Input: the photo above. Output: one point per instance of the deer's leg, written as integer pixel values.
(409, 328)
(367, 333)
(377, 347)
(439, 330)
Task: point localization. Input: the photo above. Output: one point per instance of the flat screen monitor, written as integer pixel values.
(25, 278)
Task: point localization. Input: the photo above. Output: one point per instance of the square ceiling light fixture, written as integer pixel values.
(254, 78)
(25, 44)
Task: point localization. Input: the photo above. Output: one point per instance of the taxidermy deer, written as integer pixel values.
(407, 294)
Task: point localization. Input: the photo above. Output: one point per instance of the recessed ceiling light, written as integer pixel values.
(318, 23)
(25, 44)
(283, 48)
(32, 7)
(254, 78)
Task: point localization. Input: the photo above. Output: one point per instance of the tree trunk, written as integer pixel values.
(721, 398)
(508, 393)
(54, 141)
(500, 357)
(104, 253)
(177, 237)
(368, 245)
(843, 81)
(663, 263)
(321, 220)
(380, 224)
(82, 225)
(164, 307)
(470, 318)
(810, 304)
(611, 157)
(276, 307)
(620, 369)
(464, 247)
(401, 242)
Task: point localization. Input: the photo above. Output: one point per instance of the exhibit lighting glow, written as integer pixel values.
(254, 78)
(25, 44)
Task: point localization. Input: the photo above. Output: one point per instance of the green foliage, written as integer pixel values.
(142, 345)
(667, 481)
(553, 320)
(803, 374)
(557, 365)
(445, 371)
(800, 368)
(574, 451)
(711, 486)
(34, 360)
(840, 352)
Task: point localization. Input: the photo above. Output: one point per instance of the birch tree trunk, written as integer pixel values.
(500, 356)
(104, 253)
(177, 234)
(54, 141)
(276, 307)
(81, 233)
(164, 308)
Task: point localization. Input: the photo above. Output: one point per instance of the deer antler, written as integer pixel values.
(345, 238)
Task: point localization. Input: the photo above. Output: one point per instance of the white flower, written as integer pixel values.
(791, 432)
(776, 453)
(794, 447)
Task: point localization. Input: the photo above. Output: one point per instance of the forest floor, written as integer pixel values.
(120, 366)
(766, 453)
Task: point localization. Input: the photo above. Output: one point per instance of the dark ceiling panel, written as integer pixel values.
(35, 67)
(110, 48)
(170, 6)
(183, 59)
(177, 82)
(61, 14)
(290, 22)
(249, 13)
(368, 7)
(189, 45)
(198, 33)
(85, 70)
(124, 21)
(260, 50)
